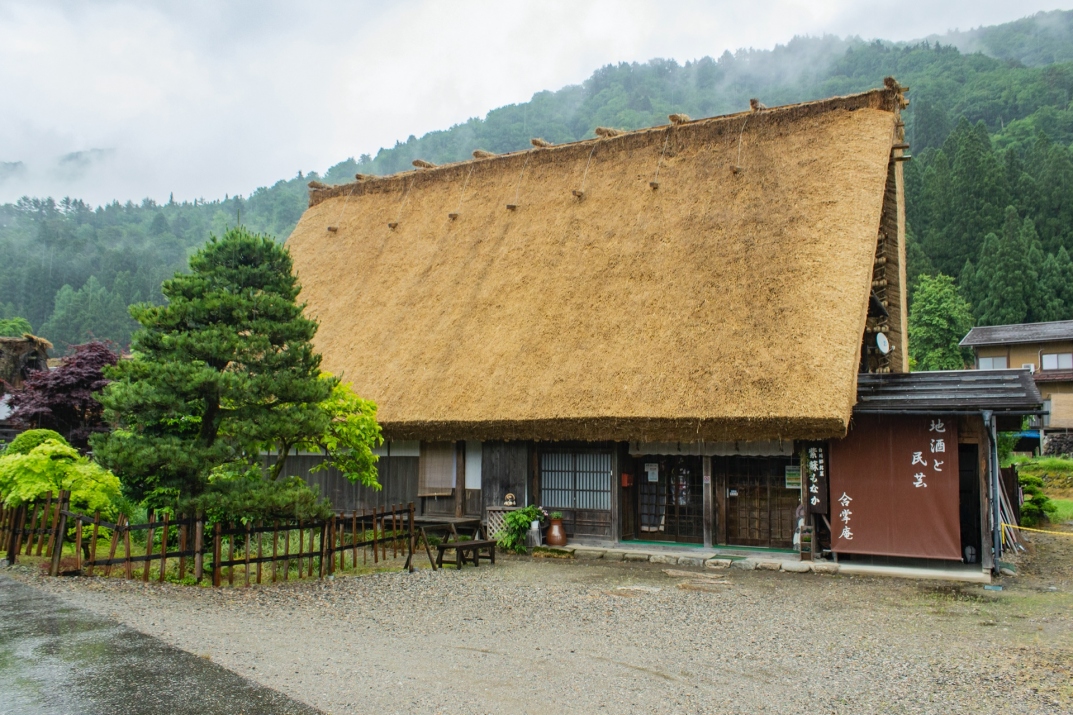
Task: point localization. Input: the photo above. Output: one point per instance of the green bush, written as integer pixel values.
(25, 442)
(1037, 506)
(252, 498)
(516, 525)
(41, 461)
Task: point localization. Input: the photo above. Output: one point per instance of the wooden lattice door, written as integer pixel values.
(759, 507)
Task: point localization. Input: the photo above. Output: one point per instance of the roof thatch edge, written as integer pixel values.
(622, 429)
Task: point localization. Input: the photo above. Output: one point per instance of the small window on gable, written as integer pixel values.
(992, 363)
(1058, 361)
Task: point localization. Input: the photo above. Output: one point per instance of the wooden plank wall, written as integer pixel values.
(504, 469)
(445, 506)
(397, 476)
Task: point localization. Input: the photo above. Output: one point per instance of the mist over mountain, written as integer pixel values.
(990, 125)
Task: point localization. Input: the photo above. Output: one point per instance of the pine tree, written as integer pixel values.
(89, 313)
(917, 261)
(969, 286)
(1065, 271)
(1032, 263)
(221, 374)
(1051, 306)
(1005, 279)
(968, 199)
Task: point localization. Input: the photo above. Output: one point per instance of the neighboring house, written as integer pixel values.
(661, 334)
(1044, 348)
(18, 358)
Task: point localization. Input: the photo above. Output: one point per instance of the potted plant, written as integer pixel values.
(516, 526)
(556, 535)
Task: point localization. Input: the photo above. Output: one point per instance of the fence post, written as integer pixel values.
(61, 504)
(93, 542)
(410, 539)
(324, 528)
(117, 534)
(45, 514)
(17, 525)
(148, 547)
(34, 506)
(164, 547)
(216, 557)
(13, 523)
(57, 551)
(376, 555)
(199, 549)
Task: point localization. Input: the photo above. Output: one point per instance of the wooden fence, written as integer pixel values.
(31, 527)
(87, 559)
(321, 547)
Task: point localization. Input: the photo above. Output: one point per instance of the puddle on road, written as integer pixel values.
(55, 659)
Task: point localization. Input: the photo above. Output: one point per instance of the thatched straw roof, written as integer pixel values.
(725, 301)
(19, 356)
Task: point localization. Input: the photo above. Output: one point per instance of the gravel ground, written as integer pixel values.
(551, 636)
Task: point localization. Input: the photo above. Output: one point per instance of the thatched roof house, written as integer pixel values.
(20, 356)
(662, 334)
(708, 280)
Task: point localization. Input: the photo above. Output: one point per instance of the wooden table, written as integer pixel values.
(449, 526)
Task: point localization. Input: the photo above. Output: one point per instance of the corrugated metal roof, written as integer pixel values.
(1019, 333)
(949, 390)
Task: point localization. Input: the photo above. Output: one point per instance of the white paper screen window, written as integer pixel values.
(473, 465)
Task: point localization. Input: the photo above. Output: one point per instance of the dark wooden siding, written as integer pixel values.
(445, 506)
(504, 469)
(397, 477)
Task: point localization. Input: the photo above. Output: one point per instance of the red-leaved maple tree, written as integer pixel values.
(61, 399)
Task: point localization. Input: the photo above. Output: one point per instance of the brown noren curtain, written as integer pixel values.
(436, 469)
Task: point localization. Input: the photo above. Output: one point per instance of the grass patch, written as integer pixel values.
(1056, 472)
(1065, 511)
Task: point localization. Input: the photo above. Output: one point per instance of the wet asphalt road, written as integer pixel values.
(56, 659)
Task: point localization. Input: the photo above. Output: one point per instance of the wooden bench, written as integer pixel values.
(467, 551)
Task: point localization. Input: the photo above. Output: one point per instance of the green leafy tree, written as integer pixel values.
(351, 435)
(222, 373)
(41, 461)
(939, 319)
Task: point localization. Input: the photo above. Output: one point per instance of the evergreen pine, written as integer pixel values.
(1005, 279)
(221, 374)
(1051, 306)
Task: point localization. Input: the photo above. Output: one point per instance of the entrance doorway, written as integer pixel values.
(755, 502)
(969, 502)
(670, 502)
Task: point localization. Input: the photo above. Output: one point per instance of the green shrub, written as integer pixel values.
(1037, 506)
(29, 439)
(252, 498)
(40, 461)
(516, 525)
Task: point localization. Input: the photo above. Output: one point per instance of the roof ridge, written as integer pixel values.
(890, 97)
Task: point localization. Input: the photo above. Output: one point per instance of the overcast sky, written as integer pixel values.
(125, 99)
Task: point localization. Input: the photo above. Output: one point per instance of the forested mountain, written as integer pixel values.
(988, 192)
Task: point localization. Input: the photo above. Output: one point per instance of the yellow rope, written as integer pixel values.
(1039, 531)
